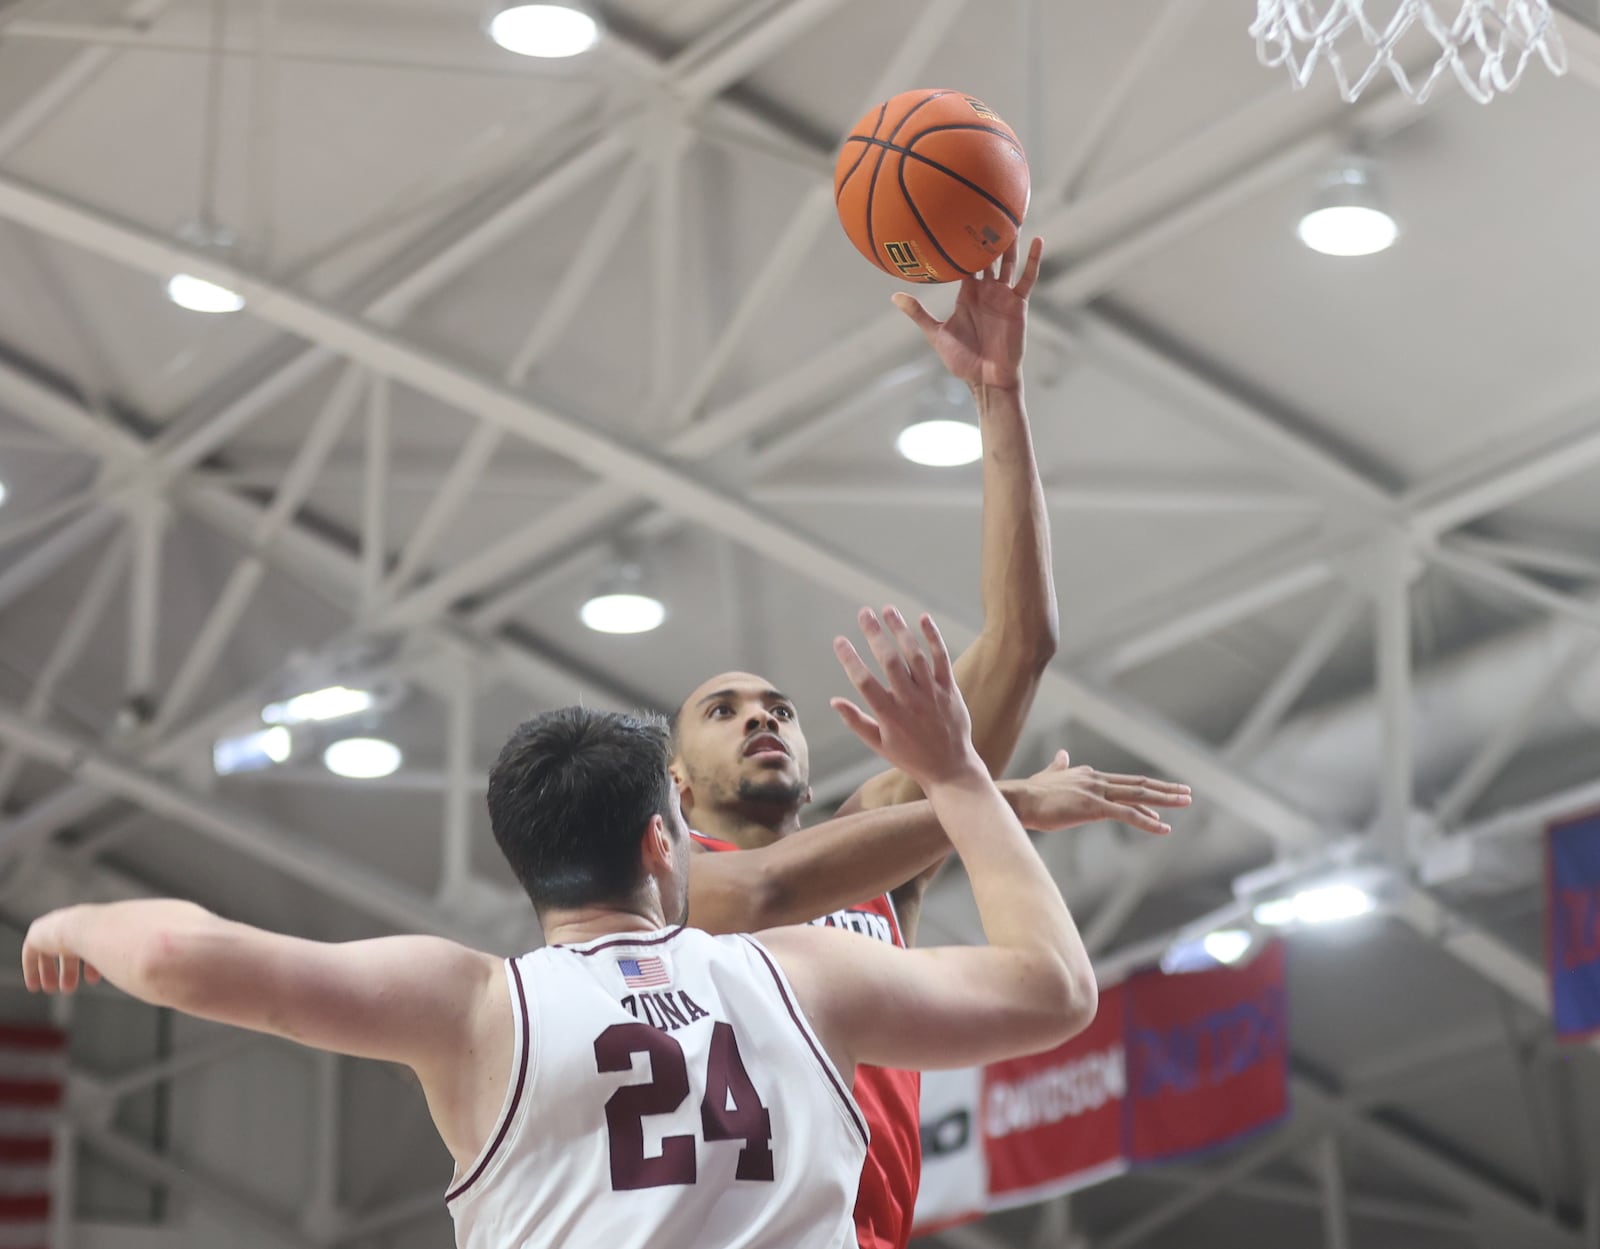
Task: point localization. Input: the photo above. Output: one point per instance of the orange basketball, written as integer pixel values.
(931, 186)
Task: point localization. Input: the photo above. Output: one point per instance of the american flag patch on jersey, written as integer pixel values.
(643, 973)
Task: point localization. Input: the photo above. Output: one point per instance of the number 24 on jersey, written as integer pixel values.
(730, 1111)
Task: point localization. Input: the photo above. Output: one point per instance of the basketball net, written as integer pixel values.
(1486, 44)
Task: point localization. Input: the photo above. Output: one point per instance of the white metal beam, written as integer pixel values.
(1533, 1228)
(1335, 1200)
(73, 636)
(79, 72)
(293, 855)
(375, 498)
(1376, 1209)
(1244, 1164)
(152, 1168)
(1392, 605)
(239, 590)
(1509, 734)
(673, 487)
(1489, 956)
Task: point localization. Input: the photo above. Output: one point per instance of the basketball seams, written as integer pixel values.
(839, 190)
(872, 189)
(949, 172)
(905, 193)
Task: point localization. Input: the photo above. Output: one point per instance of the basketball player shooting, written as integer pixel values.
(638, 1082)
(741, 757)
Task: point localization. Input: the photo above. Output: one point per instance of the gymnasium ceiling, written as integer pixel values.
(506, 319)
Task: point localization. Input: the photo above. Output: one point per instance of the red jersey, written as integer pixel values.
(890, 1100)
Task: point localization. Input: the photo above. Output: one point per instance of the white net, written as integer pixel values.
(1485, 44)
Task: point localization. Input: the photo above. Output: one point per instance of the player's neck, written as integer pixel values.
(578, 925)
(746, 827)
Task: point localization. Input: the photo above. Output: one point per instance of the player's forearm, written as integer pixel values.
(138, 946)
(1018, 583)
(821, 869)
(1020, 906)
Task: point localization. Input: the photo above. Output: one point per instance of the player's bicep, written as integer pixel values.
(410, 1000)
(955, 1006)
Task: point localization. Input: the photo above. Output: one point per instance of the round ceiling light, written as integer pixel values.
(941, 443)
(1348, 230)
(199, 295)
(544, 30)
(362, 758)
(623, 613)
(1347, 217)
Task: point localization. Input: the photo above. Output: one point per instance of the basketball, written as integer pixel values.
(931, 186)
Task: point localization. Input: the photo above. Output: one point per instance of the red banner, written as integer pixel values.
(1171, 1065)
(1057, 1116)
(1208, 1057)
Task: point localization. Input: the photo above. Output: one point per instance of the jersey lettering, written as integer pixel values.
(666, 1011)
(867, 923)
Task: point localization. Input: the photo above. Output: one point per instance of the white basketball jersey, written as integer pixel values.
(665, 1090)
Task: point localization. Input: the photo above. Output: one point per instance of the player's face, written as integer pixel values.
(739, 743)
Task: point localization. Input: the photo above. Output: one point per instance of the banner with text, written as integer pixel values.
(1171, 1065)
(1572, 854)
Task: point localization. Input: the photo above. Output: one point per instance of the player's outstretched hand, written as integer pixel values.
(1063, 796)
(49, 964)
(918, 721)
(982, 340)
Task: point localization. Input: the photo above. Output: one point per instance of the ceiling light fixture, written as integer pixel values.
(331, 703)
(545, 30)
(362, 758)
(1228, 945)
(251, 752)
(1317, 904)
(1347, 216)
(941, 433)
(199, 295)
(621, 603)
(940, 443)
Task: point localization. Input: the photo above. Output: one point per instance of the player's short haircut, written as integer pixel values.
(569, 798)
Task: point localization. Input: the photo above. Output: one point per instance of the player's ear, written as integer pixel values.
(685, 793)
(656, 844)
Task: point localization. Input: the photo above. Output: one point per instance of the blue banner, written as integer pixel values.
(1573, 873)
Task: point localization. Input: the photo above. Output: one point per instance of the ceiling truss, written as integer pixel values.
(380, 590)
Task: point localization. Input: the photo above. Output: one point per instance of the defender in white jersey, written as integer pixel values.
(707, 1152)
(634, 1083)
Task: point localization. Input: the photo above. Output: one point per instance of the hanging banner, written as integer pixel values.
(1572, 857)
(1171, 1065)
(1208, 1057)
(1053, 1122)
(33, 1071)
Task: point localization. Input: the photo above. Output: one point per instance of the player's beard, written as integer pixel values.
(777, 792)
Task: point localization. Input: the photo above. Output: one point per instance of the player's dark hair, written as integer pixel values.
(569, 798)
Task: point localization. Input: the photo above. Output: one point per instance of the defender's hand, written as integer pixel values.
(982, 341)
(919, 722)
(1063, 796)
(48, 962)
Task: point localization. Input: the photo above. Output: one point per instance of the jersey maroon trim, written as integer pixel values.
(713, 843)
(516, 1096)
(822, 1061)
(612, 944)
